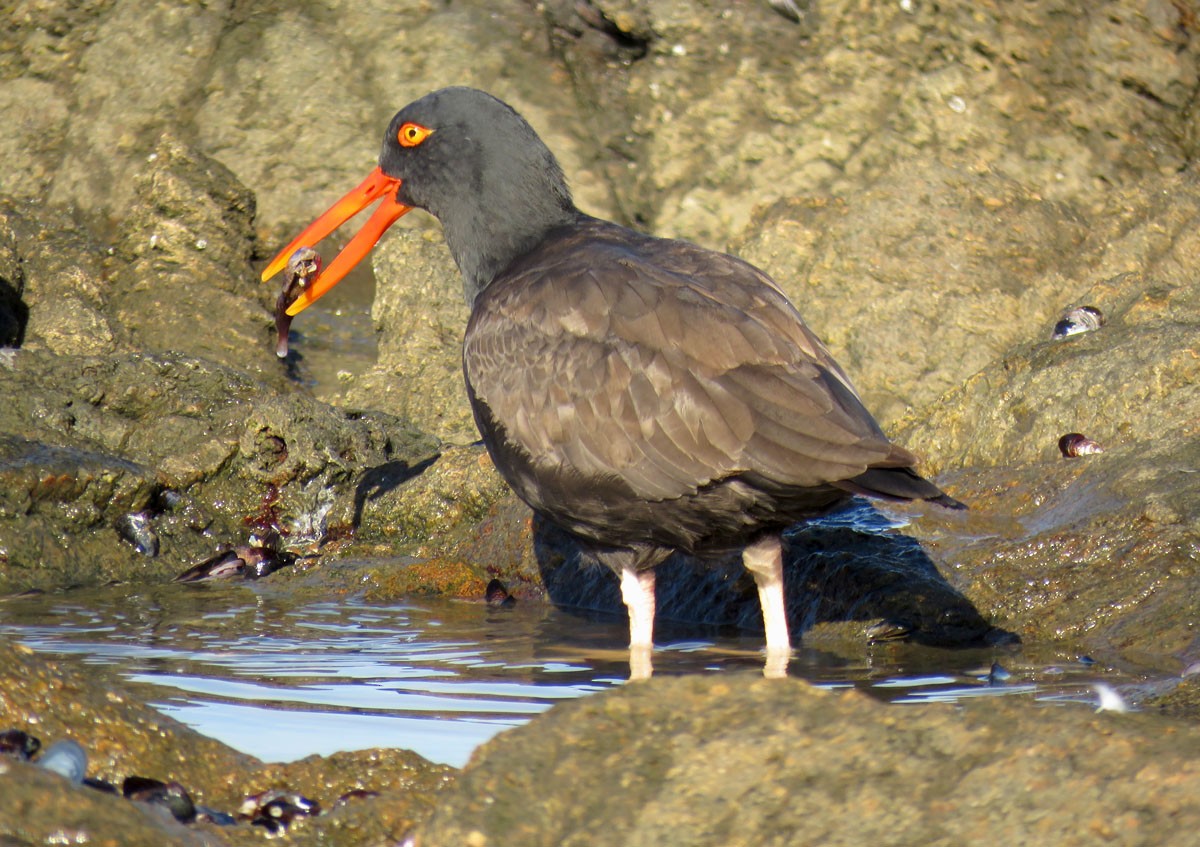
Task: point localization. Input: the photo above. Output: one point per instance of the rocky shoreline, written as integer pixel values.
(934, 185)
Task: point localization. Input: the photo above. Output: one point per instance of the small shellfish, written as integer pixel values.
(136, 528)
(65, 758)
(170, 795)
(354, 795)
(888, 630)
(302, 268)
(497, 595)
(19, 744)
(275, 809)
(246, 561)
(1078, 320)
(101, 785)
(1075, 444)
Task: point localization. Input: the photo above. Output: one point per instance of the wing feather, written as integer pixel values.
(654, 363)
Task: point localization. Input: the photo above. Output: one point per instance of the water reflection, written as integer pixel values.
(282, 679)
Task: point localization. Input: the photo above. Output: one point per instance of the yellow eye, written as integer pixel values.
(411, 134)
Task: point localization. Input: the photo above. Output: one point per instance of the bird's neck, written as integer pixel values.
(486, 240)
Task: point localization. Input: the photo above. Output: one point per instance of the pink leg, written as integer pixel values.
(637, 590)
(764, 560)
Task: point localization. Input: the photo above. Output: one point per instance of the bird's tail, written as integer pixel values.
(901, 483)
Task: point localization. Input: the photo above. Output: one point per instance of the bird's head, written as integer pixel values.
(465, 157)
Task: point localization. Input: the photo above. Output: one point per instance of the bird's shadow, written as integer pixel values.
(377, 481)
(851, 566)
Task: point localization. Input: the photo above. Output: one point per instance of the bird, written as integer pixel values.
(647, 395)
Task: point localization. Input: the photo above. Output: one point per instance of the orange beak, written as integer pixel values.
(376, 185)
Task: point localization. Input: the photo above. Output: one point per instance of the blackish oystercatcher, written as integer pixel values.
(646, 395)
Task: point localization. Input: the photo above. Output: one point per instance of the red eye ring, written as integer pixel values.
(411, 134)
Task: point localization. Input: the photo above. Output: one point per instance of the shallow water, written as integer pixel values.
(281, 679)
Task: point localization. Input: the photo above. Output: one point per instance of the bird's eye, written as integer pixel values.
(411, 134)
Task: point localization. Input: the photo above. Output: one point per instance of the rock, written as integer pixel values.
(1065, 542)
(184, 250)
(13, 312)
(66, 699)
(103, 437)
(61, 266)
(1137, 267)
(420, 317)
(707, 760)
(730, 110)
(922, 279)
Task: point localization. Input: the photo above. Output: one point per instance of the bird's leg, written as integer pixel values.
(764, 560)
(637, 590)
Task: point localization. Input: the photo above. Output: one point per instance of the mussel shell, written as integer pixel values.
(302, 267)
(242, 562)
(204, 813)
(19, 744)
(1076, 444)
(353, 796)
(887, 630)
(171, 795)
(225, 565)
(268, 562)
(278, 803)
(1078, 320)
(497, 595)
(136, 528)
(102, 785)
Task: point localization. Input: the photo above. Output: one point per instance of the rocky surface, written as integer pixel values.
(704, 761)
(934, 184)
(206, 454)
(60, 699)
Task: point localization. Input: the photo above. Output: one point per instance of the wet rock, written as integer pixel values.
(70, 699)
(712, 761)
(1181, 700)
(1100, 553)
(1055, 530)
(111, 434)
(420, 317)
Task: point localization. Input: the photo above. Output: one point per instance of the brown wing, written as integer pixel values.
(666, 366)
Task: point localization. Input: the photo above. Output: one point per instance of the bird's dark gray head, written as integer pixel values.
(470, 160)
(474, 163)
